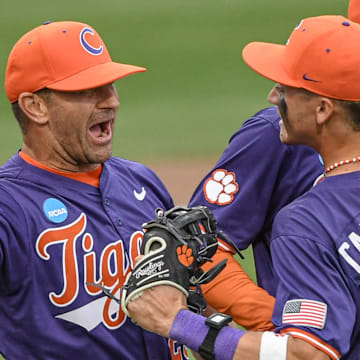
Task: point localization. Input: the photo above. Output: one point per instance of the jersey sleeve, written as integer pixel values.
(234, 293)
(13, 246)
(308, 301)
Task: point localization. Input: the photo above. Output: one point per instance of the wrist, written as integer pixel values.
(191, 330)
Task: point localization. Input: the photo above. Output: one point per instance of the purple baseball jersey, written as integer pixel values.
(316, 254)
(58, 236)
(254, 178)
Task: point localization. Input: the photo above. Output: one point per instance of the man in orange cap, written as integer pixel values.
(245, 189)
(315, 242)
(70, 213)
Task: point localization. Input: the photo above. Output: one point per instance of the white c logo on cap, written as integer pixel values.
(90, 49)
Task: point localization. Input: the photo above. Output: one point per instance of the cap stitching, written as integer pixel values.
(45, 56)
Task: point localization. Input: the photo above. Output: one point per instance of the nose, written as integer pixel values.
(109, 97)
(274, 95)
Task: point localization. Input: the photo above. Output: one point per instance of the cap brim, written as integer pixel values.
(267, 60)
(96, 76)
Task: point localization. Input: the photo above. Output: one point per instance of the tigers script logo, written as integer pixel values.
(101, 310)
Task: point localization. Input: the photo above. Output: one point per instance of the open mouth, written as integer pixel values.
(101, 131)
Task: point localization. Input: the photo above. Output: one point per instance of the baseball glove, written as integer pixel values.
(175, 245)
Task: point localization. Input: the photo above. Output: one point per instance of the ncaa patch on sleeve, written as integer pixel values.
(304, 312)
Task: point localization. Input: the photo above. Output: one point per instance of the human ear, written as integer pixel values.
(34, 107)
(324, 110)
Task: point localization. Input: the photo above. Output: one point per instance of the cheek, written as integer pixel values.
(68, 129)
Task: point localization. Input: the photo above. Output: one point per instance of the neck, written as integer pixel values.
(342, 166)
(63, 166)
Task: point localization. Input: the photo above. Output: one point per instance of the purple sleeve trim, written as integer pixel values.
(190, 329)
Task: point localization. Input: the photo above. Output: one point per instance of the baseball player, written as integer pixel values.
(255, 177)
(315, 239)
(70, 214)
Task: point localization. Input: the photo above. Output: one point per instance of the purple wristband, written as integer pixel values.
(190, 329)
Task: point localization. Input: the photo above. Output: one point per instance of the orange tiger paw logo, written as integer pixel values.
(185, 255)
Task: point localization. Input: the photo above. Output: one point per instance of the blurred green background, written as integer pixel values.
(197, 90)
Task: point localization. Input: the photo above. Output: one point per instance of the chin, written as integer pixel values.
(101, 157)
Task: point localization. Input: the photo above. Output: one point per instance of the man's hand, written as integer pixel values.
(156, 308)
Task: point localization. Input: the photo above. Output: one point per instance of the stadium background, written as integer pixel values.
(178, 116)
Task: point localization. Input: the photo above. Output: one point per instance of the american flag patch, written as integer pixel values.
(304, 312)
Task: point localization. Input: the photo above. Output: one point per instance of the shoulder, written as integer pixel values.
(266, 118)
(299, 217)
(260, 133)
(12, 167)
(261, 128)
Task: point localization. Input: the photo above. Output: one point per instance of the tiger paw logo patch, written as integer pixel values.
(221, 187)
(185, 255)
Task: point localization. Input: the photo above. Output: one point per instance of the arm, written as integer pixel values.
(233, 292)
(162, 310)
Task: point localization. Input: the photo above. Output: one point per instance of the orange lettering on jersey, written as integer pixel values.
(114, 266)
(178, 351)
(67, 236)
(90, 267)
(113, 254)
(135, 245)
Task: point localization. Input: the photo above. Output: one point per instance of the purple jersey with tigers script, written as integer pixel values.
(254, 178)
(316, 254)
(58, 236)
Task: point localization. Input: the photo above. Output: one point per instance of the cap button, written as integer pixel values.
(47, 22)
(346, 23)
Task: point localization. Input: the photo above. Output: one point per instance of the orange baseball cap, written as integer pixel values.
(65, 56)
(354, 10)
(322, 55)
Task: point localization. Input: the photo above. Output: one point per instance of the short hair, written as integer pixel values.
(352, 109)
(20, 116)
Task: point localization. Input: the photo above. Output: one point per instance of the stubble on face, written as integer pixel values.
(297, 109)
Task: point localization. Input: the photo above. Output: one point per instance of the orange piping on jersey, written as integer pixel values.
(313, 340)
(90, 178)
(234, 293)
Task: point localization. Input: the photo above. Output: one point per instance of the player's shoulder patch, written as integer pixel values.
(304, 312)
(220, 187)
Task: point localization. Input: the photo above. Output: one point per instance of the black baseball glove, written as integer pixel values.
(175, 245)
